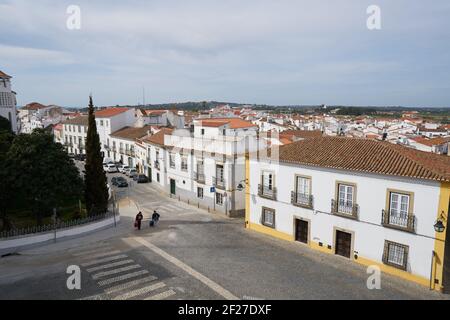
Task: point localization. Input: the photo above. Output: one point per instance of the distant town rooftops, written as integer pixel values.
(34, 106)
(131, 133)
(4, 75)
(366, 155)
(234, 123)
(158, 138)
(301, 134)
(80, 120)
(431, 142)
(110, 112)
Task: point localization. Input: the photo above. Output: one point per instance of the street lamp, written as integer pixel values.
(439, 225)
(241, 185)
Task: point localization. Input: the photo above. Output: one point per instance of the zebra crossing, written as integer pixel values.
(119, 276)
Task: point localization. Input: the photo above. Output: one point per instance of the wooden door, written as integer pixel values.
(301, 231)
(343, 243)
(172, 186)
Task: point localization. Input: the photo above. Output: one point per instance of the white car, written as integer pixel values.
(130, 172)
(105, 167)
(111, 168)
(123, 168)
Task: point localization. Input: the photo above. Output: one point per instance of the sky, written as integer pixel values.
(279, 52)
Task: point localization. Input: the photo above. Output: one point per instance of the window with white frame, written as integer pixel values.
(267, 180)
(345, 197)
(303, 189)
(398, 208)
(199, 192)
(268, 217)
(219, 198)
(395, 254)
(184, 164)
(171, 160)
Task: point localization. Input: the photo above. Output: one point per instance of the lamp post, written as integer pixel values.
(439, 225)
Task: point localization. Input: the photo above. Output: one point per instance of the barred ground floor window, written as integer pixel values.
(395, 254)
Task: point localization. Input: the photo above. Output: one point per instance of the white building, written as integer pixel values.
(110, 120)
(74, 133)
(369, 201)
(204, 164)
(8, 101)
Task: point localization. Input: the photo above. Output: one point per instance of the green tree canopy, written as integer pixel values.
(41, 174)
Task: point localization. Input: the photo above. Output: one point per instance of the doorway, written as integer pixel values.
(172, 186)
(343, 243)
(301, 231)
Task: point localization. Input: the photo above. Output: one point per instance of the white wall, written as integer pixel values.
(371, 197)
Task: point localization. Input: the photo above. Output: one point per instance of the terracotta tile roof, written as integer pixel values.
(80, 120)
(110, 112)
(34, 106)
(424, 129)
(234, 123)
(431, 142)
(152, 113)
(302, 134)
(158, 138)
(364, 155)
(4, 75)
(131, 133)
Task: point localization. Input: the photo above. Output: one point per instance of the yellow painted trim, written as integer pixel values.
(247, 190)
(439, 243)
(324, 249)
(394, 271)
(270, 232)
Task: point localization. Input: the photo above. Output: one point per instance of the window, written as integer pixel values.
(267, 179)
(184, 165)
(202, 132)
(171, 160)
(79, 128)
(224, 132)
(302, 193)
(395, 254)
(399, 205)
(219, 198)
(101, 123)
(268, 217)
(199, 193)
(345, 197)
(219, 172)
(157, 177)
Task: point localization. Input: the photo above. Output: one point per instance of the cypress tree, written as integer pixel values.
(96, 191)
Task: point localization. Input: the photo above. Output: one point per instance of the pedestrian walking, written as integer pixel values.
(155, 218)
(137, 222)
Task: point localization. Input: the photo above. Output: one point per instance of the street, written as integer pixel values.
(189, 254)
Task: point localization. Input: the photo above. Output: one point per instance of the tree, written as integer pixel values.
(41, 176)
(6, 194)
(5, 125)
(96, 191)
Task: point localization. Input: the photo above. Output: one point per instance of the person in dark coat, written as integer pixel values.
(155, 218)
(138, 221)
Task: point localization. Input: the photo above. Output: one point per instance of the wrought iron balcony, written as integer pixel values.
(156, 164)
(219, 183)
(405, 222)
(107, 147)
(199, 177)
(344, 209)
(121, 151)
(266, 192)
(302, 200)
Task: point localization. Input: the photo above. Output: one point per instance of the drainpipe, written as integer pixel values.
(433, 255)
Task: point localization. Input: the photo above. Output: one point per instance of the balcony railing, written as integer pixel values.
(301, 199)
(129, 152)
(219, 183)
(199, 177)
(107, 147)
(406, 222)
(267, 192)
(344, 209)
(121, 150)
(156, 164)
(184, 166)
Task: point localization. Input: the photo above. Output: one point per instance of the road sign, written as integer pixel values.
(212, 189)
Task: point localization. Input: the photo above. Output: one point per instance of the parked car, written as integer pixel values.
(122, 168)
(80, 157)
(71, 155)
(120, 182)
(141, 178)
(111, 168)
(131, 172)
(105, 167)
